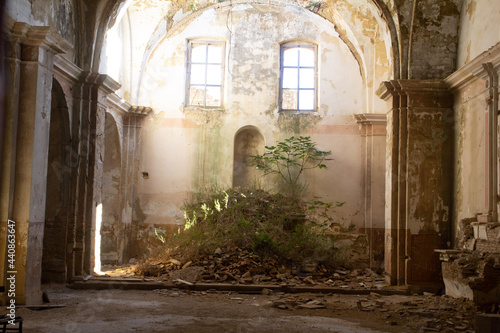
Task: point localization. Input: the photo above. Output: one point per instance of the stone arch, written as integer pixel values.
(354, 38)
(54, 268)
(248, 141)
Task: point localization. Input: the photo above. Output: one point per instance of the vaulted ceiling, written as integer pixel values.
(422, 34)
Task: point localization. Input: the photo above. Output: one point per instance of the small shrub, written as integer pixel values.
(288, 160)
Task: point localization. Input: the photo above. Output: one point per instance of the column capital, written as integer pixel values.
(37, 36)
(137, 113)
(371, 118)
(107, 84)
(140, 110)
(385, 90)
(395, 87)
(417, 93)
(372, 123)
(87, 77)
(103, 81)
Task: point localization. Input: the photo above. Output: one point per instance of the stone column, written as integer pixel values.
(373, 132)
(132, 123)
(419, 179)
(39, 45)
(7, 166)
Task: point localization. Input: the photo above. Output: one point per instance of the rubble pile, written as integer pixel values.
(244, 267)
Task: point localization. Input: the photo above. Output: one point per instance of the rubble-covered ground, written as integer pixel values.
(245, 243)
(178, 310)
(245, 267)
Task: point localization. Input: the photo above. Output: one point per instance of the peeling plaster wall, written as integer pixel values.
(136, 27)
(359, 24)
(479, 29)
(470, 163)
(434, 39)
(186, 149)
(57, 14)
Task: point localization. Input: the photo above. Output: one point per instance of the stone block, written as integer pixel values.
(487, 323)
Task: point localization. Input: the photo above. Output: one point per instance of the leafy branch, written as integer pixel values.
(289, 159)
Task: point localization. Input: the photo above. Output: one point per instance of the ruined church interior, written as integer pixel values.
(114, 112)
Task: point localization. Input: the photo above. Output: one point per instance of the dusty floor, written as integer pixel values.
(184, 311)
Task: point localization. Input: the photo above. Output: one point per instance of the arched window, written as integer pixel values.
(298, 82)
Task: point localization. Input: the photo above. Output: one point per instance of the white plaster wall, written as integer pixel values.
(470, 149)
(183, 149)
(20, 11)
(479, 29)
(56, 14)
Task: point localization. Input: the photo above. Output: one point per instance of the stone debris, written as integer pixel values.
(244, 267)
(409, 313)
(427, 312)
(180, 281)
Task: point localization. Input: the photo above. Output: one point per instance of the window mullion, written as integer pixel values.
(206, 73)
(298, 80)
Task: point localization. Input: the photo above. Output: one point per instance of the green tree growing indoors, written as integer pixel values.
(289, 159)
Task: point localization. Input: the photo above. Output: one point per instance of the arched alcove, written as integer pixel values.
(58, 180)
(247, 141)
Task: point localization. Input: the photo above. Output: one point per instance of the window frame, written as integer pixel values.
(189, 64)
(291, 45)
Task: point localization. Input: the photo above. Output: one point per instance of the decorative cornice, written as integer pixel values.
(371, 119)
(118, 104)
(397, 87)
(124, 108)
(385, 90)
(140, 110)
(435, 86)
(7, 24)
(88, 77)
(475, 70)
(19, 29)
(45, 35)
(107, 84)
(66, 68)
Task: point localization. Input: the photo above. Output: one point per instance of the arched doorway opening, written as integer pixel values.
(112, 229)
(54, 267)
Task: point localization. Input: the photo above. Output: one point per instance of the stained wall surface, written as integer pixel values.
(184, 149)
(479, 29)
(472, 87)
(57, 14)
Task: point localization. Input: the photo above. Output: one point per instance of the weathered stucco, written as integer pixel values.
(196, 147)
(479, 29)
(143, 164)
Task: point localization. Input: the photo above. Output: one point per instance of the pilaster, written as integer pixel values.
(419, 195)
(132, 123)
(27, 194)
(373, 133)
